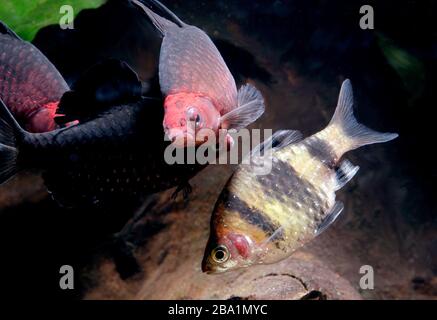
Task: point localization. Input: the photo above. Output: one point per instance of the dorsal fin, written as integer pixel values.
(161, 24)
(104, 85)
(4, 29)
(278, 140)
(171, 15)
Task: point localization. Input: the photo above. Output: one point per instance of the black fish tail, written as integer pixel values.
(10, 130)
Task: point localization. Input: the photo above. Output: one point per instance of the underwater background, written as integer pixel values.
(297, 53)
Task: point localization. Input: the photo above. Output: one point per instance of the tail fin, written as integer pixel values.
(354, 134)
(9, 130)
(160, 23)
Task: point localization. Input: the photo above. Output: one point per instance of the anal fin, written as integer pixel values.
(344, 174)
(331, 216)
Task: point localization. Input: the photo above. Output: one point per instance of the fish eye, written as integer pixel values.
(198, 119)
(220, 254)
(193, 115)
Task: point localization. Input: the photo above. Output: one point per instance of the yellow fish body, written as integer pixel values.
(264, 218)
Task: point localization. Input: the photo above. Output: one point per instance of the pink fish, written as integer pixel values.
(30, 85)
(200, 91)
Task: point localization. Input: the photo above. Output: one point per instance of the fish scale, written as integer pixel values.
(186, 66)
(303, 207)
(35, 89)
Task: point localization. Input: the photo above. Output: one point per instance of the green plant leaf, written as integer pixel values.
(26, 17)
(410, 69)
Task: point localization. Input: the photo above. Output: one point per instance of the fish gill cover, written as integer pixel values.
(26, 17)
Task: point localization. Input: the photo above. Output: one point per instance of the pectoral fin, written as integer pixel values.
(278, 140)
(250, 108)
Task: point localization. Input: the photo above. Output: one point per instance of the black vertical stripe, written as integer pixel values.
(284, 185)
(251, 215)
(321, 150)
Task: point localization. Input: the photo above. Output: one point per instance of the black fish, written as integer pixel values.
(113, 154)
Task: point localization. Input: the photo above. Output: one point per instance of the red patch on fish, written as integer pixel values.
(240, 243)
(186, 113)
(42, 119)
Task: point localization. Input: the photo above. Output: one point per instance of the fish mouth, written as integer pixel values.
(181, 139)
(214, 272)
(211, 269)
(208, 269)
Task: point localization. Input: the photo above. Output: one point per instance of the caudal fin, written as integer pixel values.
(354, 134)
(9, 130)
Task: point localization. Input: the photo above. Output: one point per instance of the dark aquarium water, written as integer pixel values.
(140, 245)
